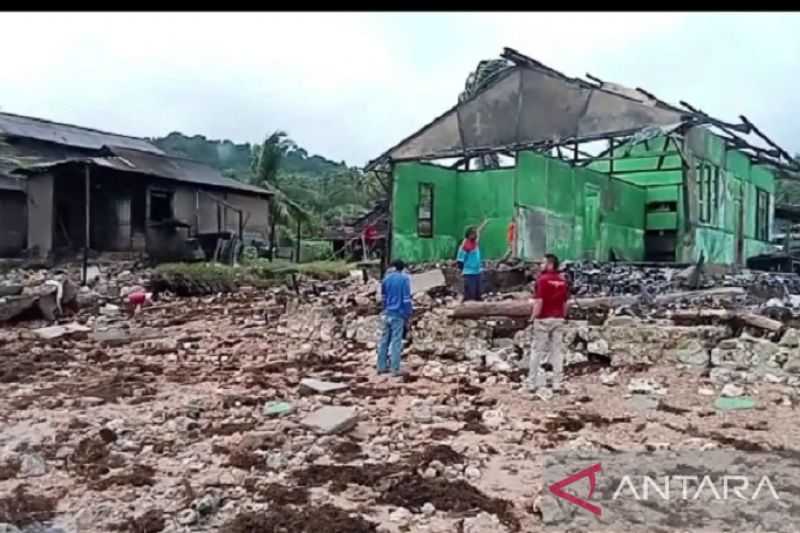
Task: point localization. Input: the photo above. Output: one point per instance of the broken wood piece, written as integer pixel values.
(523, 308)
(751, 319)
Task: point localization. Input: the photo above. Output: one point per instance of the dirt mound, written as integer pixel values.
(22, 508)
(413, 491)
(323, 519)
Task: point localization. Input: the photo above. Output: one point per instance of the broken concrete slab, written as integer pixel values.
(120, 337)
(92, 274)
(271, 409)
(331, 419)
(13, 306)
(10, 290)
(317, 386)
(425, 281)
(55, 332)
(724, 403)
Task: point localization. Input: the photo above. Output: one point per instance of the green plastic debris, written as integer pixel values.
(277, 409)
(731, 404)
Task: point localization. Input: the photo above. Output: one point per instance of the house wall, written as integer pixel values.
(40, 213)
(545, 196)
(13, 218)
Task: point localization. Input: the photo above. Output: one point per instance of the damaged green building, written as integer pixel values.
(671, 184)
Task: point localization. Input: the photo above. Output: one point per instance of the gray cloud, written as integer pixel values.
(348, 85)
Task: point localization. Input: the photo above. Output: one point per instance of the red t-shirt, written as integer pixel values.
(553, 290)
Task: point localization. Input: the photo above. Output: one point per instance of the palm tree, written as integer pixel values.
(265, 164)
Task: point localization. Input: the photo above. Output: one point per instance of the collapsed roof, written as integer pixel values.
(528, 105)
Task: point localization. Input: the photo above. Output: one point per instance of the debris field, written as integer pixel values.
(259, 409)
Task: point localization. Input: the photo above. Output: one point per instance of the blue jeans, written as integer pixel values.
(391, 343)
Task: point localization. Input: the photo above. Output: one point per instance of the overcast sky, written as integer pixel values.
(349, 85)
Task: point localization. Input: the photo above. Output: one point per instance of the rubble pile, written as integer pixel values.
(260, 409)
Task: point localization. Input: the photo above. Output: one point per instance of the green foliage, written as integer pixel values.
(254, 271)
(312, 188)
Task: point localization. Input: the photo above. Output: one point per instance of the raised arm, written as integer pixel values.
(480, 228)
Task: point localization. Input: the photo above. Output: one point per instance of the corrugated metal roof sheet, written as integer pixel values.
(156, 165)
(68, 134)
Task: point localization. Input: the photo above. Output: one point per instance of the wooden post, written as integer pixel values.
(271, 228)
(241, 227)
(196, 212)
(297, 244)
(87, 232)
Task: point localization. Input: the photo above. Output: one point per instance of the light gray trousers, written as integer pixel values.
(547, 346)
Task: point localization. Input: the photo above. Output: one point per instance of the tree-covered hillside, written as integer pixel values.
(328, 191)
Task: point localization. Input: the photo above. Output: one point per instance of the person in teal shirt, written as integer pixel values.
(469, 261)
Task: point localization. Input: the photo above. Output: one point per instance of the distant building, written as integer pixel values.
(670, 185)
(139, 198)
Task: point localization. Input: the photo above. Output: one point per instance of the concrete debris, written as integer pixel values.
(331, 419)
(210, 407)
(56, 332)
(317, 386)
(731, 391)
(277, 409)
(425, 281)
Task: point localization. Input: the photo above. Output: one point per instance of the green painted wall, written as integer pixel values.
(406, 244)
(546, 191)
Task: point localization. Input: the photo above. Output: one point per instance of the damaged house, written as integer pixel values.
(670, 184)
(63, 187)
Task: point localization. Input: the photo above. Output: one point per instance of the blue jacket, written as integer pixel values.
(471, 260)
(396, 293)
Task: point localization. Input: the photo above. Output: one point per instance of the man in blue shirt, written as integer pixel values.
(397, 310)
(469, 261)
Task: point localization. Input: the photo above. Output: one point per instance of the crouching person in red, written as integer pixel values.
(551, 293)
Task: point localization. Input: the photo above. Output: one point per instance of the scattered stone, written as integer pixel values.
(731, 391)
(608, 379)
(705, 391)
(187, 517)
(472, 473)
(331, 419)
(483, 523)
(207, 505)
(401, 515)
(790, 339)
(493, 419)
(32, 465)
(645, 386)
(691, 352)
(321, 387)
(598, 347)
(428, 508)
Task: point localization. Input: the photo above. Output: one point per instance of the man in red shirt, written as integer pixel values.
(551, 292)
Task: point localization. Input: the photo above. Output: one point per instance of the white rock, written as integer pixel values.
(730, 390)
(609, 379)
(32, 465)
(472, 473)
(493, 419)
(187, 517)
(429, 508)
(401, 515)
(705, 391)
(483, 523)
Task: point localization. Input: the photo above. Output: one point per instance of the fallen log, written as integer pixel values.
(724, 315)
(520, 308)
